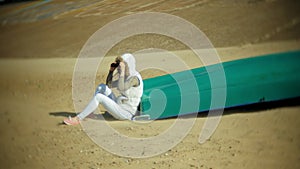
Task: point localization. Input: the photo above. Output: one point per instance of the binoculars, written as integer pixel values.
(115, 64)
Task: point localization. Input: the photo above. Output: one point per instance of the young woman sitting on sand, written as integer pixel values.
(129, 84)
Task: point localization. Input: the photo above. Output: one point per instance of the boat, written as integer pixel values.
(229, 84)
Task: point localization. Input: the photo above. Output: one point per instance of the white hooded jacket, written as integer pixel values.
(131, 97)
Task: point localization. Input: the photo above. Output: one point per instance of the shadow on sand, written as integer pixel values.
(255, 108)
(252, 108)
(106, 116)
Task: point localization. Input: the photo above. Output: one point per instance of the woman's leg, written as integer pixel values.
(104, 96)
(111, 106)
(104, 89)
(94, 103)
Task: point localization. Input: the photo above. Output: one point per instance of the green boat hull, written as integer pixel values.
(240, 82)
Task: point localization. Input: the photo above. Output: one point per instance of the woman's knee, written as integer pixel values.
(99, 97)
(101, 88)
(105, 90)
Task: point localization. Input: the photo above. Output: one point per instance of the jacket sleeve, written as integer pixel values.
(126, 84)
(109, 79)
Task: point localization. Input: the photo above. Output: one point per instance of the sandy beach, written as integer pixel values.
(41, 40)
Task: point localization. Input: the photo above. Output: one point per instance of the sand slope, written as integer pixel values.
(36, 96)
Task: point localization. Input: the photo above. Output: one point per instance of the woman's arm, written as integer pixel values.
(124, 84)
(109, 78)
